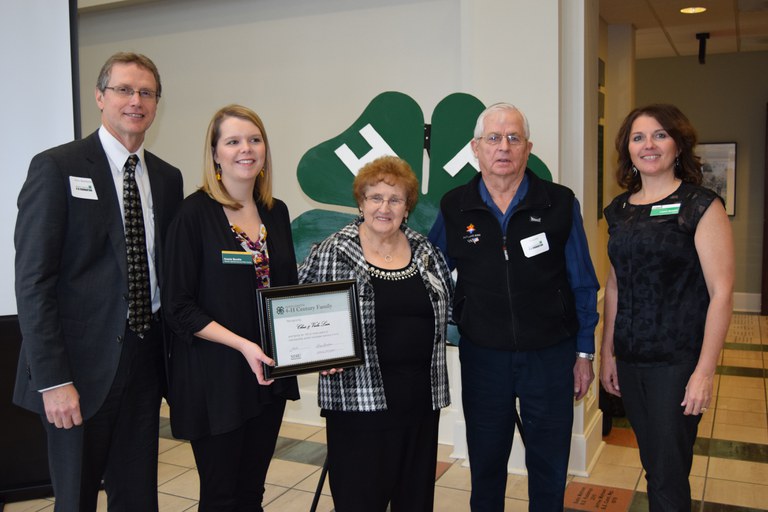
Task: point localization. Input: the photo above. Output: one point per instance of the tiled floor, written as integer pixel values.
(730, 469)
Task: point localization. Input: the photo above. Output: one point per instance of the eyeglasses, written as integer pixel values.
(494, 139)
(145, 94)
(378, 200)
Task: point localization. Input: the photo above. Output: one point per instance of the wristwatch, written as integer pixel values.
(585, 355)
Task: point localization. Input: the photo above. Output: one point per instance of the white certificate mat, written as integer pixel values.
(312, 327)
(308, 328)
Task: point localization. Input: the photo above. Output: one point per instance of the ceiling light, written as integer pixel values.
(693, 10)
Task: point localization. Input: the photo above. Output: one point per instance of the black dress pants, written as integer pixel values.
(665, 436)
(371, 468)
(233, 465)
(119, 443)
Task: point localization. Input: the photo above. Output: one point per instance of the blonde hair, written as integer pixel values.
(211, 184)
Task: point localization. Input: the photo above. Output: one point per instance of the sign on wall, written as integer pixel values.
(392, 124)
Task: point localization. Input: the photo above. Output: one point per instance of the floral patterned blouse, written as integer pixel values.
(258, 250)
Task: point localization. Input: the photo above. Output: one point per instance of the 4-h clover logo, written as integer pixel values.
(392, 124)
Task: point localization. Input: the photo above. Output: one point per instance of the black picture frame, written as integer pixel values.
(310, 327)
(718, 165)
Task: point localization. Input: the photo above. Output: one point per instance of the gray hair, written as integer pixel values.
(499, 107)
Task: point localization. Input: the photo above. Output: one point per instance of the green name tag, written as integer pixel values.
(665, 209)
(236, 258)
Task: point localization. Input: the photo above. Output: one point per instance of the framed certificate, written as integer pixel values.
(310, 327)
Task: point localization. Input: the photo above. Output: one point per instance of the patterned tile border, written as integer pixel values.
(739, 371)
(749, 347)
(621, 435)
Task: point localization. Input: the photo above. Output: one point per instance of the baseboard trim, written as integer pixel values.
(747, 302)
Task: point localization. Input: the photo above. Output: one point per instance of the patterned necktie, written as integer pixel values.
(139, 298)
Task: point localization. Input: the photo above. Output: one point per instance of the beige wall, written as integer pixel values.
(617, 50)
(309, 67)
(725, 100)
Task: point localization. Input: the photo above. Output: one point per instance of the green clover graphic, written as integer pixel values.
(391, 124)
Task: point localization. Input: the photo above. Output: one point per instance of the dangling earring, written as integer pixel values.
(405, 220)
(634, 170)
(677, 163)
(261, 174)
(218, 172)
(361, 217)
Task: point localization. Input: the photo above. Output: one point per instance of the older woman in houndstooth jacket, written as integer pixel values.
(382, 417)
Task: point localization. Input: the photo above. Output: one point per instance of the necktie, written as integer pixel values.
(139, 297)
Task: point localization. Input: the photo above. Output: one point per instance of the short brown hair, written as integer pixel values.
(391, 170)
(215, 188)
(128, 58)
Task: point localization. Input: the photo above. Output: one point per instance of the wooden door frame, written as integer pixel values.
(764, 295)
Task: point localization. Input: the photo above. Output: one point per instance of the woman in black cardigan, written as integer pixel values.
(219, 398)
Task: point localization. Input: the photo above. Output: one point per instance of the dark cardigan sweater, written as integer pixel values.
(212, 388)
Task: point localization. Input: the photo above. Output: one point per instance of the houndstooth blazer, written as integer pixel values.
(340, 256)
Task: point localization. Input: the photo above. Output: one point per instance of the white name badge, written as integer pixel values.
(534, 245)
(82, 188)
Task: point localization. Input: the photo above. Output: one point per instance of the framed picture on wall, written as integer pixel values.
(718, 164)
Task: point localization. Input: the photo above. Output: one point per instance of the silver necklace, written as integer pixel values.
(387, 257)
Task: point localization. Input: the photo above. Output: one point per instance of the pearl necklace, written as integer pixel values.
(393, 275)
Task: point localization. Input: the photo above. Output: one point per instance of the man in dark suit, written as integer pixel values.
(86, 365)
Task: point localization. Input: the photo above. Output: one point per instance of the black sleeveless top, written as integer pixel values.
(662, 295)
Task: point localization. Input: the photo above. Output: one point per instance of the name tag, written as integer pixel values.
(534, 245)
(665, 209)
(236, 258)
(82, 188)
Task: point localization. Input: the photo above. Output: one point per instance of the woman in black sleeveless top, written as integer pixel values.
(668, 297)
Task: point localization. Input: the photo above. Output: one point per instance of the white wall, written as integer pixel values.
(37, 107)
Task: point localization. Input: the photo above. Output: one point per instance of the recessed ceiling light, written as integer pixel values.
(693, 10)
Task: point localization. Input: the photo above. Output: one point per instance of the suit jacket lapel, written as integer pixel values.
(99, 171)
(157, 185)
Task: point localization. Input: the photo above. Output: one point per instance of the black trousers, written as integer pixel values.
(119, 443)
(665, 436)
(369, 469)
(233, 466)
